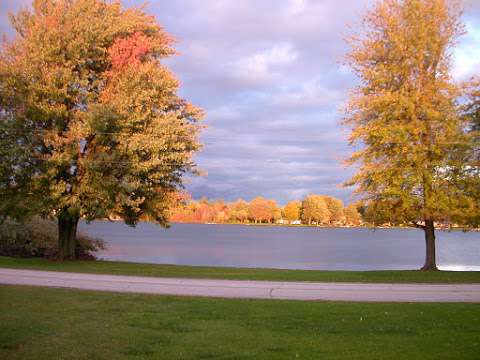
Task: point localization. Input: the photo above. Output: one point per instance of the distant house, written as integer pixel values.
(287, 222)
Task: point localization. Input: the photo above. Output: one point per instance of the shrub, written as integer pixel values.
(39, 238)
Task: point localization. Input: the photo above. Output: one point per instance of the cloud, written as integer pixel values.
(261, 67)
(296, 7)
(308, 94)
(466, 61)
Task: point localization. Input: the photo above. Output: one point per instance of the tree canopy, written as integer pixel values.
(262, 210)
(352, 215)
(91, 123)
(292, 210)
(315, 209)
(405, 117)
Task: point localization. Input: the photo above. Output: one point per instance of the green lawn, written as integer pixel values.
(123, 268)
(40, 323)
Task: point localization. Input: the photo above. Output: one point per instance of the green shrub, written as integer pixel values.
(39, 238)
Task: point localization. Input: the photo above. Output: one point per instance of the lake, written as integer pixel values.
(283, 247)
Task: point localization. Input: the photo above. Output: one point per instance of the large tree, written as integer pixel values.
(260, 209)
(405, 119)
(292, 211)
(239, 211)
(314, 208)
(335, 207)
(91, 123)
(352, 216)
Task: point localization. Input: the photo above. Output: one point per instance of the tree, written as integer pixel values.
(204, 213)
(292, 210)
(309, 210)
(405, 119)
(315, 209)
(335, 208)
(352, 216)
(275, 211)
(239, 211)
(221, 211)
(91, 123)
(260, 209)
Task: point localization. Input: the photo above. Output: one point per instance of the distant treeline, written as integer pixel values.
(313, 210)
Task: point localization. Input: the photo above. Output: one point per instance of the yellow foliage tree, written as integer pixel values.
(405, 119)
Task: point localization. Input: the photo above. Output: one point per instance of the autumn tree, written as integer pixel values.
(179, 207)
(314, 209)
(308, 210)
(239, 211)
(292, 210)
(260, 209)
(221, 211)
(204, 213)
(91, 123)
(335, 209)
(352, 216)
(405, 119)
(275, 211)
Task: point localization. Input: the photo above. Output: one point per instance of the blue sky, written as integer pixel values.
(269, 75)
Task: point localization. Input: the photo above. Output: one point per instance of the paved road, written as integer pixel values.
(246, 289)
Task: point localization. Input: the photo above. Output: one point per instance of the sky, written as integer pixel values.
(269, 75)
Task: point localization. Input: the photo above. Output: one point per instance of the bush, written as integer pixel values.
(39, 238)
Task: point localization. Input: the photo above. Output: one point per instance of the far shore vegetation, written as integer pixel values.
(312, 210)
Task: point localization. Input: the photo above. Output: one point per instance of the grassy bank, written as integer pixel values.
(37, 323)
(123, 268)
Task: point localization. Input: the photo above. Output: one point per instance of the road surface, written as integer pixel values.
(247, 289)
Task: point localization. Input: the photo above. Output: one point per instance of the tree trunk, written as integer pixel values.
(430, 261)
(67, 234)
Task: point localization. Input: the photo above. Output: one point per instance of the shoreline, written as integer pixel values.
(369, 227)
(373, 228)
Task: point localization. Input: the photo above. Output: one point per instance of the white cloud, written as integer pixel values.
(466, 58)
(224, 112)
(310, 94)
(262, 66)
(296, 7)
(305, 178)
(298, 193)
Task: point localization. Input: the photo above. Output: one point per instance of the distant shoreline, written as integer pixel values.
(310, 226)
(278, 225)
(329, 226)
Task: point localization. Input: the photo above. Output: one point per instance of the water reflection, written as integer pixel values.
(283, 247)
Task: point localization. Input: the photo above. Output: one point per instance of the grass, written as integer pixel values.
(40, 323)
(123, 268)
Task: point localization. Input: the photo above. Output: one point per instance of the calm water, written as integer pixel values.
(283, 247)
